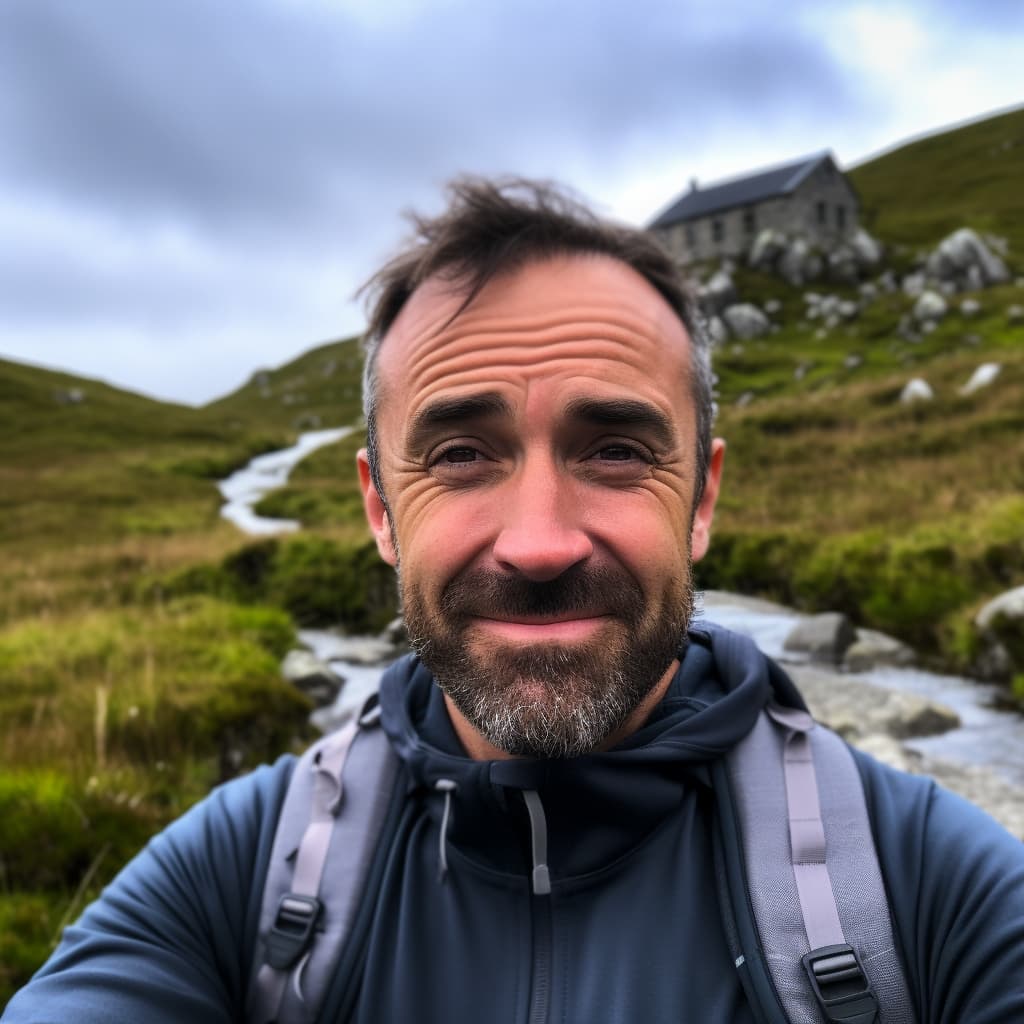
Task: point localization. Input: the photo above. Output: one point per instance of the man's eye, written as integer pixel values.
(618, 453)
(458, 455)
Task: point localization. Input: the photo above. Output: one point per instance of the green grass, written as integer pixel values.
(920, 192)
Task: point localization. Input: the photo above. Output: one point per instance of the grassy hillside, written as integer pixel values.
(970, 176)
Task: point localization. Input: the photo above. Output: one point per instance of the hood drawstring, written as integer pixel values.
(539, 838)
(446, 786)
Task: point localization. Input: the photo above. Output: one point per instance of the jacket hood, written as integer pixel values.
(614, 798)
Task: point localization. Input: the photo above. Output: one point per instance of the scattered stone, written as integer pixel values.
(1015, 314)
(745, 399)
(745, 321)
(823, 637)
(801, 370)
(767, 247)
(313, 677)
(848, 309)
(792, 264)
(956, 254)
(773, 307)
(866, 250)
(718, 293)
(887, 282)
(917, 389)
(717, 331)
(69, 396)
(981, 378)
(857, 709)
(843, 266)
(853, 361)
(914, 284)
(970, 307)
(872, 648)
(868, 291)
(930, 305)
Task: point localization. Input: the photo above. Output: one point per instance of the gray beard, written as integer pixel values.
(549, 700)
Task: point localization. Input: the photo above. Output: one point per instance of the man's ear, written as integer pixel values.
(700, 535)
(376, 510)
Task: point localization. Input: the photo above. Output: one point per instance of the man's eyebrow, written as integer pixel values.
(448, 412)
(624, 412)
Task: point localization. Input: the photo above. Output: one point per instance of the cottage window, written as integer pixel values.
(749, 221)
(822, 213)
(717, 230)
(841, 217)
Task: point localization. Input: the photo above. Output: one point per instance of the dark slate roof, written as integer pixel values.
(752, 188)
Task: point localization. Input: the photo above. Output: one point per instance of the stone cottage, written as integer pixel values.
(811, 198)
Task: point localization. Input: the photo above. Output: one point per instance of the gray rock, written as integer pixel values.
(745, 399)
(959, 252)
(970, 307)
(69, 396)
(745, 321)
(866, 250)
(1009, 605)
(719, 292)
(773, 307)
(823, 637)
(868, 291)
(848, 310)
(981, 378)
(1015, 314)
(394, 633)
(853, 361)
(917, 389)
(887, 282)
(872, 648)
(313, 677)
(857, 709)
(767, 247)
(843, 266)
(914, 284)
(791, 263)
(930, 305)
(717, 331)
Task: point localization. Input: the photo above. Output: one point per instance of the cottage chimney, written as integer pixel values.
(693, 185)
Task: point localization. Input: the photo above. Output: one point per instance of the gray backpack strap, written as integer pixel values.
(813, 880)
(329, 827)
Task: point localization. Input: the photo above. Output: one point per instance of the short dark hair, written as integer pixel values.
(494, 226)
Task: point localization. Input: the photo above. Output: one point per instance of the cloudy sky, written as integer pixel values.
(192, 189)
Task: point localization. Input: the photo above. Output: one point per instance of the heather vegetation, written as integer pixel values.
(140, 634)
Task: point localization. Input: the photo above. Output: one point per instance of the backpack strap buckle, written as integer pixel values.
(840, 985)
(293, 928)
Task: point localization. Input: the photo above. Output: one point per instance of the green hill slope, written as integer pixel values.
(971, 176)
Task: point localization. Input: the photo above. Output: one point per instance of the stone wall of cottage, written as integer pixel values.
(824, 210)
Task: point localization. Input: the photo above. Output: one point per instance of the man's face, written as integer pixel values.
(538, 460)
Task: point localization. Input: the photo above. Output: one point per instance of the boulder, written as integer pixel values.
(917, 389)
(791, 263)
(857, 709)
(717, 293)
(930, 305)
(866, 250)
(848, 309)
(717, 331)
(1015, 314)
(842, 265)
(872, 648)
(69, 396)
(312, 676)
(970, 307)
(1000, 626)
(961, 251)
(913, 284)
(853, 361)
(745, 321)
(773, 307)
(981, 378)
(766, 248)
(823, 637)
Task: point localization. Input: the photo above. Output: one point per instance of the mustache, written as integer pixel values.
(580, 589)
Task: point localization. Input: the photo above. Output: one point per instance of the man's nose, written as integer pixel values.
(542, 532)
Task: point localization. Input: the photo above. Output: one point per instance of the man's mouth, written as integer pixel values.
(566, 627)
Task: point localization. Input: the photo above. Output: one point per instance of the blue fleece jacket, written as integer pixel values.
(630, 932)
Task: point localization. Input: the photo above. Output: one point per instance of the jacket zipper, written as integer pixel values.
(540, 979)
